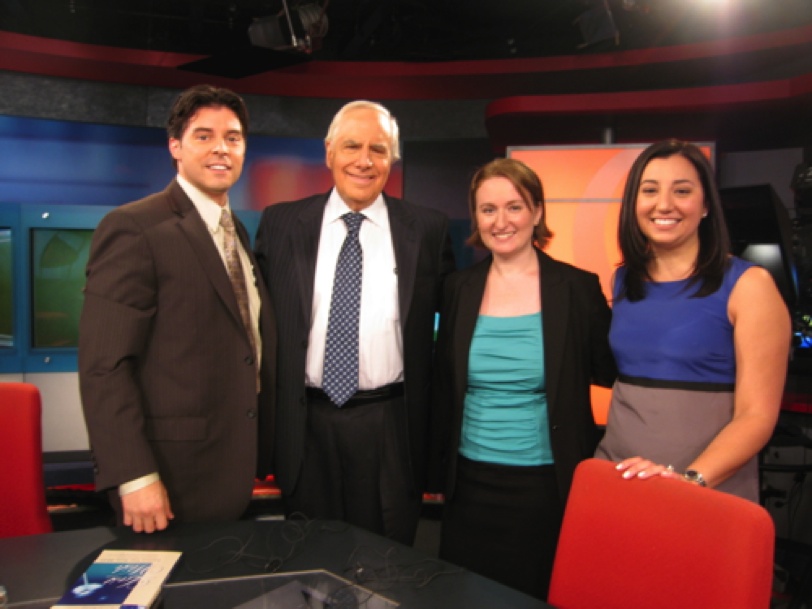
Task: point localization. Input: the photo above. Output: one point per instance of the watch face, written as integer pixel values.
(694, 476)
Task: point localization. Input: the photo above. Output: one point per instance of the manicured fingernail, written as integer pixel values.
(627, 475)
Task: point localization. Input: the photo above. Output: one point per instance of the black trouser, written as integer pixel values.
(355, 468)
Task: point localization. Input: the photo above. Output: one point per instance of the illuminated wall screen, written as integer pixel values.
(583, 188)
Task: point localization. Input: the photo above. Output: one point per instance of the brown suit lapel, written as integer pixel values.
(192, 228)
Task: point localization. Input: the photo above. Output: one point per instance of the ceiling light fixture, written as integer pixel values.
(301, 29)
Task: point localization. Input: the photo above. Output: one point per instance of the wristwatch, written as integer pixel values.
(691, 475)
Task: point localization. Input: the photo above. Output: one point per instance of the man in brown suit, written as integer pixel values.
(177, 337)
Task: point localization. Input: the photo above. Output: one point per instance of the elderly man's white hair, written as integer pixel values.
(362, 104)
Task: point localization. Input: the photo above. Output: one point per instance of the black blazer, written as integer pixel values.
(286, 248)
(575, 319)
(165, 365)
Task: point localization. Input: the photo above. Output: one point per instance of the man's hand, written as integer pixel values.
(147, 510)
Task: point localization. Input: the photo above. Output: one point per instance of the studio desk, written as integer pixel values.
(227, 564)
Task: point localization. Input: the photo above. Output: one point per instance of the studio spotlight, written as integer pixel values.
(597, 25)
(299, 29)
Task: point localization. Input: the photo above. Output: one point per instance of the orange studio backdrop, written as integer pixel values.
(583, 188)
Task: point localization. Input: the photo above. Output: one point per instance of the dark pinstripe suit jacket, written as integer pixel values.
(165, 365)
(287, 247)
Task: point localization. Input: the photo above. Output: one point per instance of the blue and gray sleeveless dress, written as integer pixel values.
(677, 369)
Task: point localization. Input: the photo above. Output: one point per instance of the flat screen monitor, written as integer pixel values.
(761, 232)
(6, 290)
(58, 260)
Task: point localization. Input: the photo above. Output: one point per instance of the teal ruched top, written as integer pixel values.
(505, 415)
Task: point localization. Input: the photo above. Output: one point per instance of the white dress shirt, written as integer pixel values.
(380, 352)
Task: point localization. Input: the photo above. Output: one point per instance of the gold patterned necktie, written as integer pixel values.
(237, 277)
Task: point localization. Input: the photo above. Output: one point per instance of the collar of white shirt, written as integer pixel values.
(335, 208)
(208, 209)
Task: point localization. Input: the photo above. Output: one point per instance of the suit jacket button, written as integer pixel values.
(252, 414)
(249, 360)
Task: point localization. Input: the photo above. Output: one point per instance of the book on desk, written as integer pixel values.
(120, 579)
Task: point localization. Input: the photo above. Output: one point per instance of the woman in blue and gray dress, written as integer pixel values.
(701, 338)
(521, 337)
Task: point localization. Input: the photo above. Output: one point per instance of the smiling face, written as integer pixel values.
(504, 219)
(670, 203)
(211, 152)
(360, 157)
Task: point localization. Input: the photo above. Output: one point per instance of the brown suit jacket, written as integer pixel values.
(165, 367)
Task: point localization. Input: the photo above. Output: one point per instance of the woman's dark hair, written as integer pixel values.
(527, 184)
(714, 241)
(203, 96)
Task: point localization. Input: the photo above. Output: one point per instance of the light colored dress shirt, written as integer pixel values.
(380, 354)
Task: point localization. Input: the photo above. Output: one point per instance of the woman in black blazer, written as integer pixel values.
(522, 337)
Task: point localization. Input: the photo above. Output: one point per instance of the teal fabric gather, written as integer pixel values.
(505, 416)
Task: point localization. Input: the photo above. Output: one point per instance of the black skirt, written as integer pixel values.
(503, 522)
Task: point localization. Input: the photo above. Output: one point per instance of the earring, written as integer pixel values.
(705, 215)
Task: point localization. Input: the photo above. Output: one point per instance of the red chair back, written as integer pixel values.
(659, 543)
(23, 510)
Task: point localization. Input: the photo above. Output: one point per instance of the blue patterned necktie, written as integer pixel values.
(340, 379)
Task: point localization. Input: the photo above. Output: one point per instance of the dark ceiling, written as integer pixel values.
(401, 30)
(356, 30)
(738, 71)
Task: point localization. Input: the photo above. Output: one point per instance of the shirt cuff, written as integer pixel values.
(137, 484)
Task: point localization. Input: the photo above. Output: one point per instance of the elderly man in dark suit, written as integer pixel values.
(177, 336)
(356, 331)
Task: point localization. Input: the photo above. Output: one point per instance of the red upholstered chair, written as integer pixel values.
(23, 510)
(659, 544)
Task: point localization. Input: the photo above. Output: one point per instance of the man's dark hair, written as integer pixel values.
(204, 96)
